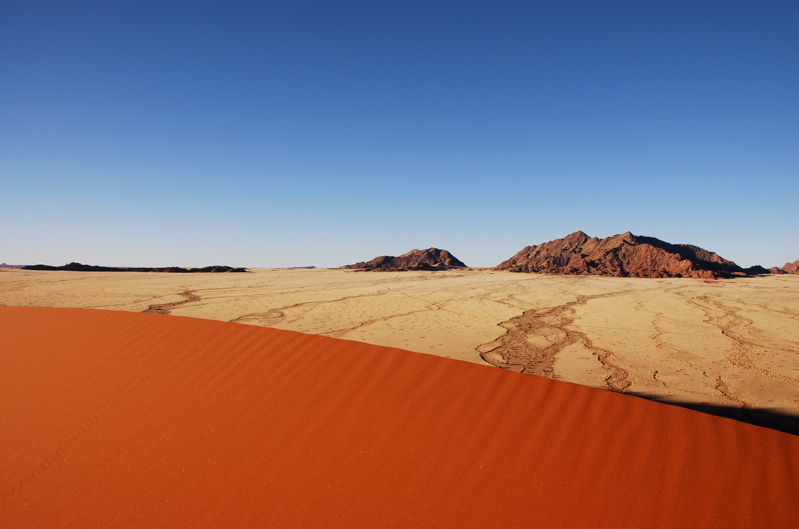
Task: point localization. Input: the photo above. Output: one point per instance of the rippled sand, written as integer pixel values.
(128, 420)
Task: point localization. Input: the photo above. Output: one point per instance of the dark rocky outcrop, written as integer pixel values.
(756, 270)
(79, 267)
(430, 259)
(624, 255)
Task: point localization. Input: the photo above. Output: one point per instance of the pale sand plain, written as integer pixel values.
(711, 344)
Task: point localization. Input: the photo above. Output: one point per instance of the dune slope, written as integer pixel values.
(114, 419)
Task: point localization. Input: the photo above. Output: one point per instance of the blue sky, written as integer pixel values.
(298, 133)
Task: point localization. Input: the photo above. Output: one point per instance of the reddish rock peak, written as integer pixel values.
(624, 255)
(578, 237)
(791, 268)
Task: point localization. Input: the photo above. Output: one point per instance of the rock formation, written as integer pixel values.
(430, 259)
(788, 268)
(624, 255)
(79, 267)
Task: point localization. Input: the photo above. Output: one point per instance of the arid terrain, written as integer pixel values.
(714, 344)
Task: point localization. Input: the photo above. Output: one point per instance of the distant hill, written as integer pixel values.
(430, 259)
(78, 267)
(787, 268)
(624, 255)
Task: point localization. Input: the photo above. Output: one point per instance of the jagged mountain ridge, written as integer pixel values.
(623, 255)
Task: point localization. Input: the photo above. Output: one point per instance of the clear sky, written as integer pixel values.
(299, 133)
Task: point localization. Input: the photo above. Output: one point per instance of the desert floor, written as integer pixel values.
(127, 420)
(729, 347)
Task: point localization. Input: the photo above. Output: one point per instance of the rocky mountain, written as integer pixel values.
(788, 268)
(430, 259)
(624, 255)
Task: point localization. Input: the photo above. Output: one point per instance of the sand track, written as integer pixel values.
(166, 308)
(274, 316)
(533, 340)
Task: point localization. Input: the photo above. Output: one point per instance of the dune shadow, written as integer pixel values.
(765, 417)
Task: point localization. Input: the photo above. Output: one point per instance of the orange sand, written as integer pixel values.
(115, 419)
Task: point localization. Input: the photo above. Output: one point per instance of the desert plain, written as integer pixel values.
(726, 346)
(457, 399)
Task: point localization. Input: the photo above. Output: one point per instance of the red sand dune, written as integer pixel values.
(113, 419)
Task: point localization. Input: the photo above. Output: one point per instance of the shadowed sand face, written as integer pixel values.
(721, 344)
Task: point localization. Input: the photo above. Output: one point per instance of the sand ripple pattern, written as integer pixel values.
(127, 420)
